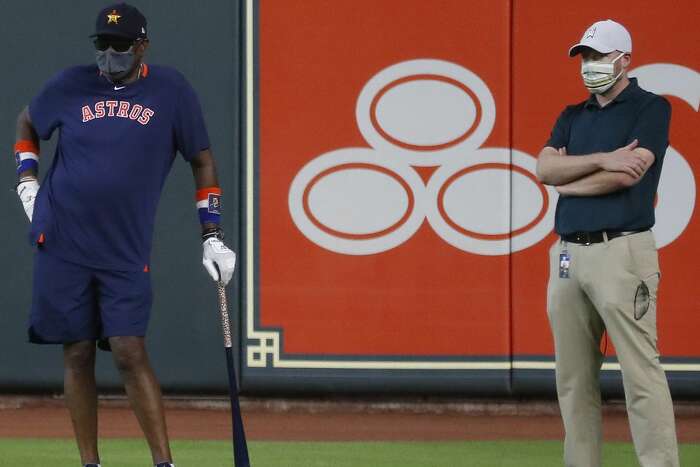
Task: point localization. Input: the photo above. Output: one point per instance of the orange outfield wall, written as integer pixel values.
(399, 217)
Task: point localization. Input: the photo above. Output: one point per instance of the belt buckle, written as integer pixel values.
(585, 238)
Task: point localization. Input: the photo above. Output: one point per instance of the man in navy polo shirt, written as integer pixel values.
(605, 157)
(120, 124)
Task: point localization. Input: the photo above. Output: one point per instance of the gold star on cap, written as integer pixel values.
(113, 17)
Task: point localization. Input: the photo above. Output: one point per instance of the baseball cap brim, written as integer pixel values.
(597, 46)
(113, 33)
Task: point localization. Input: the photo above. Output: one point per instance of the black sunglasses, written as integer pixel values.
(119, 44)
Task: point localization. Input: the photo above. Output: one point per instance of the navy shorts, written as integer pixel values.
(72, 303)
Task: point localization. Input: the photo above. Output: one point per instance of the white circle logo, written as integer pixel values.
(486, 201)
(425, 112)
(355, 202)
(471, 200)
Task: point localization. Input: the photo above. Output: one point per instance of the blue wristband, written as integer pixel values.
(209, 205)
(26, 164)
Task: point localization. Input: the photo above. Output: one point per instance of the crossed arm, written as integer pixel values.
(593, 174)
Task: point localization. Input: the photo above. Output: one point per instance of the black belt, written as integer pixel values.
(588, 238)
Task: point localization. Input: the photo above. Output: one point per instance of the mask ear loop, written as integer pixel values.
(618, 76)
(621, 69)
(136, 44)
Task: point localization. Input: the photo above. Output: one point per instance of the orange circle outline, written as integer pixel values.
(357, 165)
(474, 168)
(415, 147)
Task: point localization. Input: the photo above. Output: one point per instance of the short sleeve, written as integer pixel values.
(46, 107)
(652, 126)
(560, 133)
(190, 131)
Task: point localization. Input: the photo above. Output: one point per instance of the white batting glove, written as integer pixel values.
(218, 259)
(27, 190)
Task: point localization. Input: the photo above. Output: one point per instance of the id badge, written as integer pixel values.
(564, 264)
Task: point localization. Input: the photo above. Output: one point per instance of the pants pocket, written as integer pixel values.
(645, 295)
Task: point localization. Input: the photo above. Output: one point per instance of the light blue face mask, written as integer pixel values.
(599, 76)
(115, 65)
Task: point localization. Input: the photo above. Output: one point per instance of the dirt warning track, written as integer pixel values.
(327, 421)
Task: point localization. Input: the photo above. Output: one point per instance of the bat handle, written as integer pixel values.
(223, 311)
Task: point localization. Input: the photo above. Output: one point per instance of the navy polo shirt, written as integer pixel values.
(587, 128)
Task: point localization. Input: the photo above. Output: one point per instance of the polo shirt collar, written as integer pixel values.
(626, 93)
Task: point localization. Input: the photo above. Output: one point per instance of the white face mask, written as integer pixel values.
(598, 77)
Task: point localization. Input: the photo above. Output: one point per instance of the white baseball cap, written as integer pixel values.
(604, 37)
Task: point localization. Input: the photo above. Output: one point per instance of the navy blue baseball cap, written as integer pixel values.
(121, 20)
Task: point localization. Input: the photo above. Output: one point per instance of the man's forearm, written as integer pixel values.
(25, 132)
(599, 183)
(204, 172)
(557, 169)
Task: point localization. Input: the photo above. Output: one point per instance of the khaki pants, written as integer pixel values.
(606, 291)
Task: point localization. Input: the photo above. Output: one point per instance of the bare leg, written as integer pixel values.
(81, 397)
(144, 394)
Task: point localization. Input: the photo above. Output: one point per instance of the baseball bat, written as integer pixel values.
(240, 447)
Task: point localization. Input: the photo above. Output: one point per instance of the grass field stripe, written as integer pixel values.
(377, 453)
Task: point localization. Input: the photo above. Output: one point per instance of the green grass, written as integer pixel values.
(134, 453)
